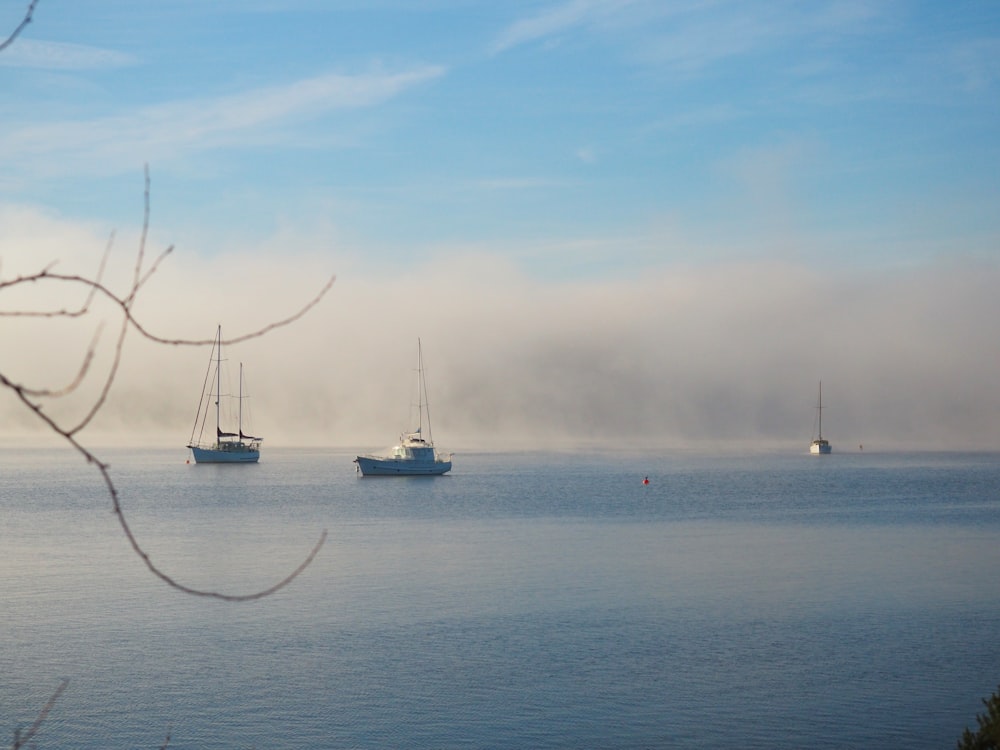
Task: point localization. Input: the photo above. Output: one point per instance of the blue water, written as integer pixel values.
(524, 601)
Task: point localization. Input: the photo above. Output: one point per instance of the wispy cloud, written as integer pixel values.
(555, 20)
(713, 115)
(716, 32)
(521, 183)
(978, 63)
(30, 53)
(587, 154)
(689, 35)
(161, 131)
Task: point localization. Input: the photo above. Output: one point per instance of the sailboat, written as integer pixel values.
(415, 454)
(820, 445)
(229, 447)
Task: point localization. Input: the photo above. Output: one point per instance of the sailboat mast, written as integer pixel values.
(218, 381)
(420, 390)
(423, 386)
(819, 406)
(241, 400)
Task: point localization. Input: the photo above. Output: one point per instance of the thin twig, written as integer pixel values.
(20, 741)
(66, 390)
(14, 34)
(103, 468)
(136, 283)
(31, 397)
(108, 380)
(76, 279)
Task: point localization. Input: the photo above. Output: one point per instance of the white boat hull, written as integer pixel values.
(229, 447)
(226, 453)
(820, 447)
(374, 466)
(414, 455)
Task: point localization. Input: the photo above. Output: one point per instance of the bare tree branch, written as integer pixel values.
(42, 276)
(21, 741)
(14, 34)
(32, 397)
(66, 390)
(104, 470)
(138, 278)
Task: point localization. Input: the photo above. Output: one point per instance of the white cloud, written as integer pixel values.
(555, 20)
(587, 154)
(30, 53)
(690, 36)
(521, 183)
(159, 132)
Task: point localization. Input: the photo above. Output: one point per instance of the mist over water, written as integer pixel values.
(725, 355)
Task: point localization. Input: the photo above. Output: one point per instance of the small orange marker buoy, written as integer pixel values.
(645, 480)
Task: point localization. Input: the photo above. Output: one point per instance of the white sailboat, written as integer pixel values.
(820, 446)
(228, 447)
(415, 454)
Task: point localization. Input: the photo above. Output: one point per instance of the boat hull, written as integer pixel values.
(820, 448)
(225, 455)
(372, 466)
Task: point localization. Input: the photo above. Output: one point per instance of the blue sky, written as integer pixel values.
(560, 147)
(866, 129)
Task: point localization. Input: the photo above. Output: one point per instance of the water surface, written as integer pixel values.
(525, 600)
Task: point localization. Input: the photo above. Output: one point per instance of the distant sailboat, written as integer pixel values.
(228, 447)
(820, 446)
(415, 454)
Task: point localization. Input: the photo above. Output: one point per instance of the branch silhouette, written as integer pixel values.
(20, 27)
(33, 398)
(21, 740)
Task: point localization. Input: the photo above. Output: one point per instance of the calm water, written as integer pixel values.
(526, 601)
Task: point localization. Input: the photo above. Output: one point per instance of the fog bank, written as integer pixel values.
(722, 356)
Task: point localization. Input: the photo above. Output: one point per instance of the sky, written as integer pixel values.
(619, 223)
